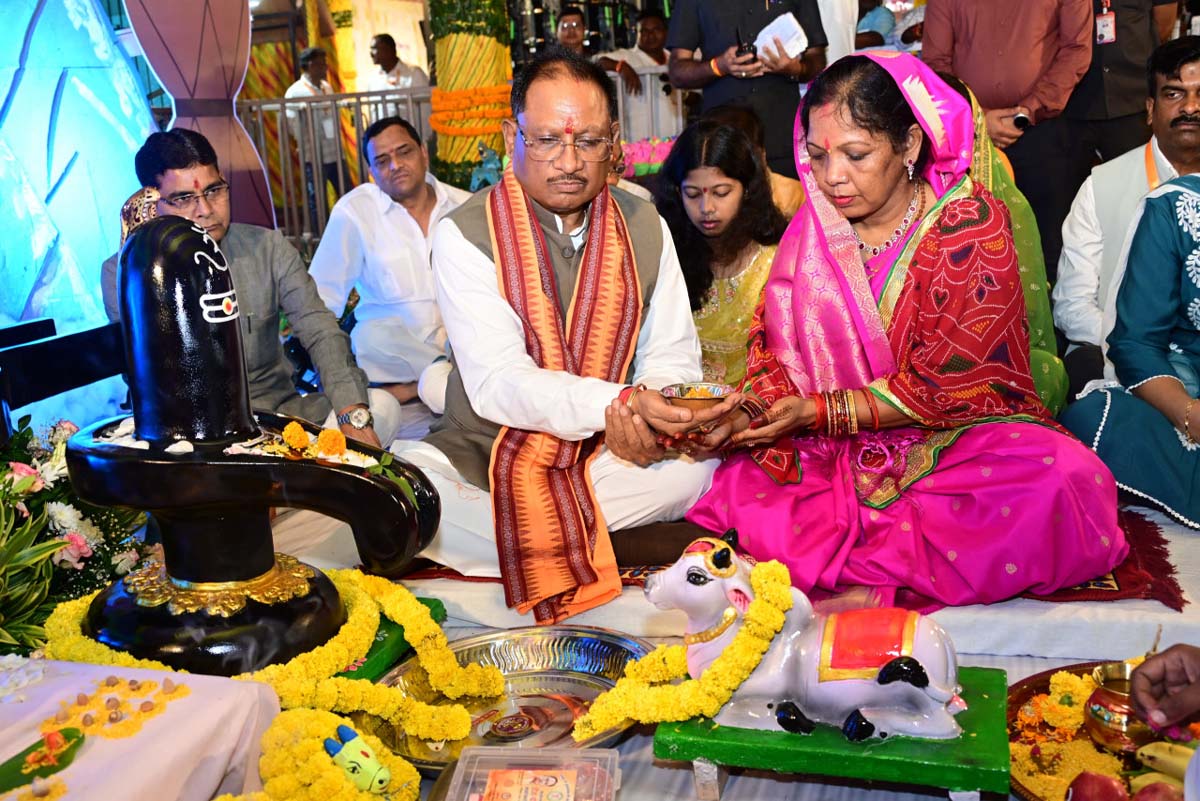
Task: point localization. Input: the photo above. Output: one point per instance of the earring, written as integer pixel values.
(912, 168)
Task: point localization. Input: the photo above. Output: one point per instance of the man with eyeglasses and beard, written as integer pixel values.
(270, 278)
(566, 310)
(1096, 227)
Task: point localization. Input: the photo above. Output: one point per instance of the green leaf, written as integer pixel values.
(37, 553)
(23, 422)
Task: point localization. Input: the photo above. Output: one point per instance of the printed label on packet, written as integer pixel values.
(528, 785)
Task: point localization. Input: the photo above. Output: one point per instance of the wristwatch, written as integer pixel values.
(359, 417)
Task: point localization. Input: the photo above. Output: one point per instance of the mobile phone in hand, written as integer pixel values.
(744, 47)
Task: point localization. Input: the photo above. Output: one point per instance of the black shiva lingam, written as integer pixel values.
(222, 601)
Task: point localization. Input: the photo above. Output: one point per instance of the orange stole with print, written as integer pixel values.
(556, 557)
(856, 644)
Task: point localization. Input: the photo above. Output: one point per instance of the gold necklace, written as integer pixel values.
(871, 251)
(708, 635)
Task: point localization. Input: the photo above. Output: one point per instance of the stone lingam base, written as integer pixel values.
(222, 601)
(218, 628)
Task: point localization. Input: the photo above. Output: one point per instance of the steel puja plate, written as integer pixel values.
(552, 675)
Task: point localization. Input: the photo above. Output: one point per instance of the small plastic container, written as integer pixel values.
(501, 773)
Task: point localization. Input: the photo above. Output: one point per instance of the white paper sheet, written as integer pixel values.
(789, 32)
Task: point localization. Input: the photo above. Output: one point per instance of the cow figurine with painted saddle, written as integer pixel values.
(869, 672)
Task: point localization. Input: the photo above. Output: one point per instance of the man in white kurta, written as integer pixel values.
(504, 385)
(378, 240)
(392, 73)
(1095, 230)
(646, 102)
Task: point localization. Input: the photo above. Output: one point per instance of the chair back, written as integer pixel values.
(42, 368)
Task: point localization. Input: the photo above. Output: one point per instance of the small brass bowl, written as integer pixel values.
(696, 395)
(1109, 717)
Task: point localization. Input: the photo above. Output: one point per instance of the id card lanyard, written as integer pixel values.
(1151, 168)
(1106, 24)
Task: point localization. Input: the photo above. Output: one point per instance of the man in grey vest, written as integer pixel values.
(1096, 228)
(565, 307)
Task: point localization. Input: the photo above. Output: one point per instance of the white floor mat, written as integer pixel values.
(1078, 630)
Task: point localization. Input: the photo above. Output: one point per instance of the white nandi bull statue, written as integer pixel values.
(869, 672)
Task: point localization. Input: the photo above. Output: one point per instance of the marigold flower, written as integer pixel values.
(331, 442)
(295, 436)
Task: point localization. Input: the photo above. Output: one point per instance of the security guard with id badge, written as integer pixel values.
(1106, 114)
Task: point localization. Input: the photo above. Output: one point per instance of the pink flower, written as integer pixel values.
(76, 550)
(62, 431)
(21, 471)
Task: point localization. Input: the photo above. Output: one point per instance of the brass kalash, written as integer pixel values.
(221, 601)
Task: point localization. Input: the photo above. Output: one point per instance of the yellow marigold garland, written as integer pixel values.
(294, 764)
(641, 694)
(308, 680)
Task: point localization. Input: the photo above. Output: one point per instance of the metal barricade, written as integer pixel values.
(306, 142)
(294, 141)
(657, 111)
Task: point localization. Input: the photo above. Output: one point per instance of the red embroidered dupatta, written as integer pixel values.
(556, 557)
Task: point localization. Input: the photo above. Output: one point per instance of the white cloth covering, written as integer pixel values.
(201, 746)
(1093, 235)
(1082, 631)
(500, 378)
(372, 242)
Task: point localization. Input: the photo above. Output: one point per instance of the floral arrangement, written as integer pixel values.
(642, 694)
(54, 547)
(294, 764)
(1050, 746)
(645, 156)
(307, 682)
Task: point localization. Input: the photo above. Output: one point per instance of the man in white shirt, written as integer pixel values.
(539, 280)
(313, 83)
(378, 239)
(645, 99)
(1095, 230)
(392, 73)
(839, 18)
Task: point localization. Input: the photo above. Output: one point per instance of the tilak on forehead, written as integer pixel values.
(569, 126)
(826, 113)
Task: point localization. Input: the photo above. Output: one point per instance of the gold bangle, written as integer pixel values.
(634, 394)
(1187, 421)
(852, 411)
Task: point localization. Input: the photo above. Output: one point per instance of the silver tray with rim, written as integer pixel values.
(552, 674)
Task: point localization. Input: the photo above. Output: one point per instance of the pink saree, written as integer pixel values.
(985, 497)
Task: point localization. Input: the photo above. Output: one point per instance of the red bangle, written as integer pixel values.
(821, 412)
(874, 405)
(712, 64)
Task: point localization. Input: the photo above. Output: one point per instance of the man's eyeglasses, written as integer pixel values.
(190, 203)
(548, 148)
(570, 25)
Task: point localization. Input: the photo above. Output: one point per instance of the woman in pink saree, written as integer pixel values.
(889, 434)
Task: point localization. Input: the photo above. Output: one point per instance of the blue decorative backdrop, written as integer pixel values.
(72, 115)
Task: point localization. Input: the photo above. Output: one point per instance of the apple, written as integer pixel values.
(1090, 786)
(1159, 791)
